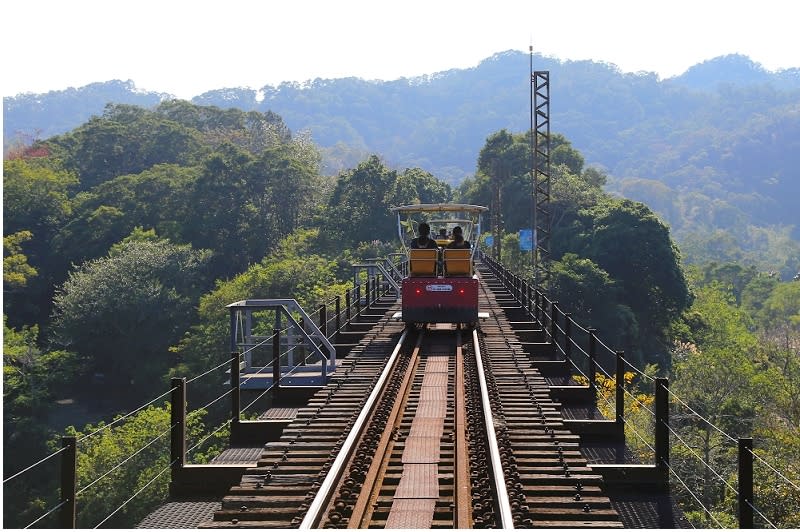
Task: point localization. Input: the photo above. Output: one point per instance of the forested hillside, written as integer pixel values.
(125, 237)
(714, 151)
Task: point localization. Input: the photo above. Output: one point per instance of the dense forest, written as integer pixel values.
(714, 151)
(125, 237)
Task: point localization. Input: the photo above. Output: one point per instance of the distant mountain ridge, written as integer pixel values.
(716, 147)
(46, 114)
(737, 70)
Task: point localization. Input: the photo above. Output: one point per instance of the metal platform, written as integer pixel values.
(261, 378)
(398, 316)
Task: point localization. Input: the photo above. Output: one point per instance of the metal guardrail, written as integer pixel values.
(310, 335)
(372, 269)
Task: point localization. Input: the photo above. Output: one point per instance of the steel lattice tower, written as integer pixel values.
(540, 130)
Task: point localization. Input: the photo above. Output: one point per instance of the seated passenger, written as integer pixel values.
(424, 241)
(458, 240)
(442, 234)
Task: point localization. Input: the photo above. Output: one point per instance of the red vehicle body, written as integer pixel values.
(442, 299)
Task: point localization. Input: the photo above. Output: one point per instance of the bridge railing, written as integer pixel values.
(583, 350)
(171, 442)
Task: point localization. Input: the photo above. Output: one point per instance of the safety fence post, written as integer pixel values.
(545, 316)
(567, 336)
(554, 323)
(358, 301)
(323, 320)
(338, 308)
(529, 290)
(593, 365)
(347, 307)
(69, 482)
(662, 424)
(236, 398)
(368, 294)
(178, 425)
(619, 402)
(276, 363)
(745, 482)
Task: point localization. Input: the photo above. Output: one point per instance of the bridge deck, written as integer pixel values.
(508, 332)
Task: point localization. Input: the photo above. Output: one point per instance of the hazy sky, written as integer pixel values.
(188, 47)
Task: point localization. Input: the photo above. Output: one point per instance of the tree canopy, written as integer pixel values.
(123, 311)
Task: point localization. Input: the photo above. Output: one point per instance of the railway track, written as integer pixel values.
(550, 483)
(441, 428)
(412, 466)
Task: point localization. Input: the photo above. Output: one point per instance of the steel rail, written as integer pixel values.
(461, 482)
(371, 479)
(320, 502)
(503, 504)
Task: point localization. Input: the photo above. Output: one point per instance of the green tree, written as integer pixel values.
(125, 140)
(729, 274)
(592, 296)
(358, 210)
(155, 198)
(221, 214)
(506, 157)
(16, 270)
(756, 292)
(250, 131)
(627, 240)
(726, 379)
(279, 186)
(240, 206)
(32, 381)
(35, 200)
(293, 270)
(142, 442)
(35, 196)
(124, 310)
(781, 316)
(426, 187)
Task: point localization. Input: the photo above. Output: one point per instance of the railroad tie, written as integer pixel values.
(415, 499)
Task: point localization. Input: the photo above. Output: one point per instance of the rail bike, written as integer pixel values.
(441, 285)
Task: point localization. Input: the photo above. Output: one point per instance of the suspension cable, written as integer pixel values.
(764, 517)
(637, 370)
(106, 427)
(734, 440)
(48, 457)
(692, 494)
(701, 459)
(202, 441)
(795, 486)
(104, 475)
(630, 426)
(50, 511)
(230, 390)
(225, 363)
(639, 402)
(98, 525)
